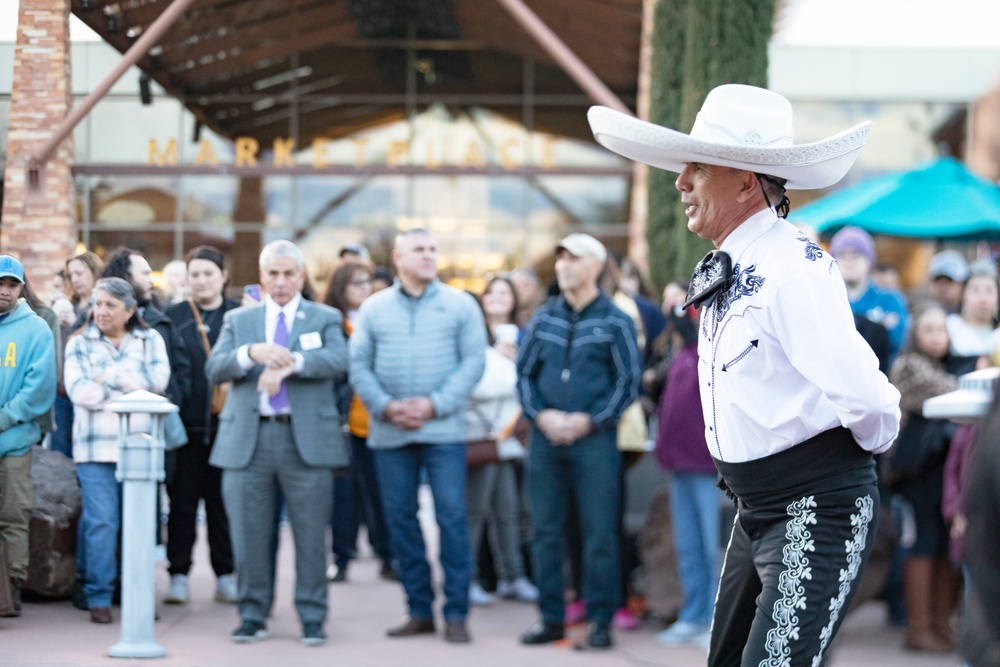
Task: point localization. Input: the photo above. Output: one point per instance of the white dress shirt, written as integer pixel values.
(780, 360)
(271, 310)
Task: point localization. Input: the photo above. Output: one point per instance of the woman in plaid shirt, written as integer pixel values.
(114, 354)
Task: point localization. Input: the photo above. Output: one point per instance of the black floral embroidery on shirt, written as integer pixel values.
(813, 251)
(745, 282)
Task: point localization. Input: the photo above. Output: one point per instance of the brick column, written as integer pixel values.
(40, 229)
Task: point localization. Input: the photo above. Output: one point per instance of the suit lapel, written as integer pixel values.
(259, 322)
(299, 325)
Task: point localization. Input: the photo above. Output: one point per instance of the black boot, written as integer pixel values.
(15, 596)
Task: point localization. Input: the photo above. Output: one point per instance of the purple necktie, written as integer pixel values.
(279, 402)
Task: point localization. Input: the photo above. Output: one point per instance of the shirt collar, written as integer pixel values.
(751, 228)
(271, 308)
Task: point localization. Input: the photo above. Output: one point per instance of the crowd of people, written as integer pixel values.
(331, 407)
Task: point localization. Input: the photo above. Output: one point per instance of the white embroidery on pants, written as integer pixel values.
(855, 547)
(785, 612)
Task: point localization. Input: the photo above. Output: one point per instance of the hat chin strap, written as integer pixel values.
(784, 205)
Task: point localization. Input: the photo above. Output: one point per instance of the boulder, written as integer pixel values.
(657, 580)
(52, 539)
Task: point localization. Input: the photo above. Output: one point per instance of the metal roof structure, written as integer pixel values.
(309, 68)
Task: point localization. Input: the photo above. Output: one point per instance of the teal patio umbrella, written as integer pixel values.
(940, 199)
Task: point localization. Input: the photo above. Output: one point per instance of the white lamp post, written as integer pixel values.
(140, 469)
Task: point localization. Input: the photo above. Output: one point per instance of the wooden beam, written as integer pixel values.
(289, 24)
(275, 49)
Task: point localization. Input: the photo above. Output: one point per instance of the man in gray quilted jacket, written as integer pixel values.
(417, 351)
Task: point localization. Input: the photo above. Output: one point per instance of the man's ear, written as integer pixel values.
(749, 187)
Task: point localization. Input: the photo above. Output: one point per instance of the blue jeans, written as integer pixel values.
(62, 437)
(589, 469)
(101, 518)
(399, 480)
(356, 495)
(695, 513)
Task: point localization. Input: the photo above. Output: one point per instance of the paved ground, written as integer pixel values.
(197, 634)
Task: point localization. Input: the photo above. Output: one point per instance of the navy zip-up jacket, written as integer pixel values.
(579, 362)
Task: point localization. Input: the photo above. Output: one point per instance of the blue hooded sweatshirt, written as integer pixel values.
(27, 378)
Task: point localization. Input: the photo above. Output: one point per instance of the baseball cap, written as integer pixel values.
(855, 239)
(583, 245)
(948, 264)
(12, 268)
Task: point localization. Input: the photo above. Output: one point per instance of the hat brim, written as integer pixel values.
(819, 164)
(12, 275)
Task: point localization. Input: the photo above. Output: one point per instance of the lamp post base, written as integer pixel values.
(137, 650)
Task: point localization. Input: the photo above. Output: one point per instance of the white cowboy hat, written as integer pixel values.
(743, 127)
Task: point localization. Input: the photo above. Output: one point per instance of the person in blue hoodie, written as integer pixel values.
(27, 391)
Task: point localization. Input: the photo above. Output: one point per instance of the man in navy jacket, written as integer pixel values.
(578, 369)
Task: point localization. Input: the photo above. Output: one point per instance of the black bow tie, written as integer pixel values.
(711, 275)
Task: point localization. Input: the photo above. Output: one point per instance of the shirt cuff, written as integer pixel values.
(243, 358)
(299, 362)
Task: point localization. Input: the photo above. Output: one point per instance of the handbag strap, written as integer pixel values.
(201, 327)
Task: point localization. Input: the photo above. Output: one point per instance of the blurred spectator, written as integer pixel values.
(82, 271)
(947, 272)
(854, 250)
(437, 333)
(972, 330)
(981, 625)
(653, 321)
(27, 391)
(175, 279)
(491, 488)
(381, 278)
(694, 496)
(574, 402)
(356, 491)
(114, 354)
(666, 344)
(355, 252)
(198, 322)
(529, 294)
(887, 277)
(916, 471)
(133, 268)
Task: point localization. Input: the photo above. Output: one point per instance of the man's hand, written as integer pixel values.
(552, 424)
(563, 428)
(270, 379)
(577, 425)
(409, 414)
(270, 355)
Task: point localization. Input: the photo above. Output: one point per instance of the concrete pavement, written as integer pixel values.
(197, 634)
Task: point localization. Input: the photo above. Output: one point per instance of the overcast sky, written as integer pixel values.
(888, 23)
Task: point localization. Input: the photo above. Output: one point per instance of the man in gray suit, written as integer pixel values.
(279, 430)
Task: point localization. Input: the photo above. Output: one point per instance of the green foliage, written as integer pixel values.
(697, 45)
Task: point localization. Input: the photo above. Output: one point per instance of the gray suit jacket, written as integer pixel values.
(316, 423)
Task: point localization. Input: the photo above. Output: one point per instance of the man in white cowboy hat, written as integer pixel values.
(794, 402)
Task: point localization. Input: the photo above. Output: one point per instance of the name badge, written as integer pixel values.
(310, 341)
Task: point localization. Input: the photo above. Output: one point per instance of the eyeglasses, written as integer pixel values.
(362, 283)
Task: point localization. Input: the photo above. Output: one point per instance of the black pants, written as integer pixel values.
(804, 528)
(194, 479)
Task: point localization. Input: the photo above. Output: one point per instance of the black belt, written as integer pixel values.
(277, 419)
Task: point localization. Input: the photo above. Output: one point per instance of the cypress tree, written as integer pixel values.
(697, 45)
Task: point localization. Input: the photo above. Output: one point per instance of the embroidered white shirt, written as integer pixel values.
(780, 360)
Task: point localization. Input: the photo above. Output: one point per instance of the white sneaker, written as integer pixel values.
(178, 591)
(682, 632)
(225, 589)
(479, 597)
(519, 589)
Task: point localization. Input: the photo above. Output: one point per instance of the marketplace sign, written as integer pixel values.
(510, 153)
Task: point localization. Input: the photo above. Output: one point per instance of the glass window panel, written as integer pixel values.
(131, 202)
(121, 129)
